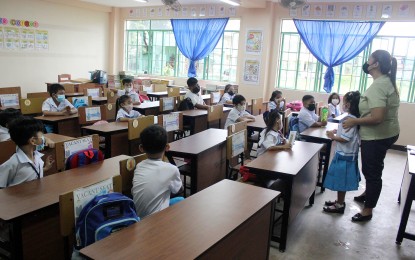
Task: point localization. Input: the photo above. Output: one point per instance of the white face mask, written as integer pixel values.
(335, 102)
(128, 89)
(241, 108)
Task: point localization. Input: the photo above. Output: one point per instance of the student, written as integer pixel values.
(6, 116)
(343, 174)
(193, 93)
(125, 109)
(57, 104)
(271, 137)
(307, 117)
(334, 106)
(128, 90)
(26, 164)
(228, 95)
(155, 181)
(276, 101)
(238, 112)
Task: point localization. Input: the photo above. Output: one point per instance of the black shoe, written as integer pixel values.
(336, 209)
(360, 218)
(361, 198)
(329, 203)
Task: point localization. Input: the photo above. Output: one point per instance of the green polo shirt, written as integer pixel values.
(380, 94)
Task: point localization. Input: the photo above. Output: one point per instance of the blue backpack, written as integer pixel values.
(102, 216)
(293, 125)
(84, 157)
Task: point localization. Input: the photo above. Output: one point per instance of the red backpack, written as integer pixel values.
(84, 157)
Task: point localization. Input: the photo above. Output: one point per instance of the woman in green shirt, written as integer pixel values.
(379, 126)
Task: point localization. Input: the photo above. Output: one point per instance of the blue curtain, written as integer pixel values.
(197, 38)
(336, 42)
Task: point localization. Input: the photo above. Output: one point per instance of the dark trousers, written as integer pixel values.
(373, 154)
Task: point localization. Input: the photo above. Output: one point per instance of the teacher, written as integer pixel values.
(379, 126)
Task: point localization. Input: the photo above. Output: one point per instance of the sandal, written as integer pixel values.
(330, 203)
(335, 208)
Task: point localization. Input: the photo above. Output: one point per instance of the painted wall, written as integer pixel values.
(78, 43)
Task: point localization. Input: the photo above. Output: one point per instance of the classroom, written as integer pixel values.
(285, 127)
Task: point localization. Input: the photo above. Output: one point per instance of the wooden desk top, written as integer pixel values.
(200, 142)
(99, 99)
(185, 230)
(56, 138)
(320, 132)
(259, 122)
(15, 107)
(108, 128)
(34, 195)
(148, 105)
(286, 161)
(163, 93)
(76, 94)
(201, 112)
(57, 118)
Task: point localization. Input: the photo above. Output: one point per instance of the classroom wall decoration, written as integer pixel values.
(185, 12)
(251, 71)
(254, 42)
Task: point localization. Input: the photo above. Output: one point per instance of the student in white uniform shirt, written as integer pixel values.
(193, 93)
(6, 116)
(238, 112)
(228, 95)
(26, 164)
(334, 106)
(155, 181)
(128, 90)
(125, 109)
(57, 104)
(307, 117)
(276, 101)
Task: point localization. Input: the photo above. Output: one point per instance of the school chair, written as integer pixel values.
(67, 215)
(11, 90)
(38, 95)
(236, 146)
(7, 148)
(89, 116)
(12, 95)
(256, 106)
(64, 78)
(111, 97)
(92, 91)
(108, 112)
(284, 115)
(147, 86)
(232, 129)
(31, 106)
(167, 104)
(69, 88)
(135, 127)
(159, 87)
(215, 98)
(75, 101)
(319, 106)
(172, 123)
(83, 86)
(214, 113)
(210, 88)
(173, 92)
(127, 168)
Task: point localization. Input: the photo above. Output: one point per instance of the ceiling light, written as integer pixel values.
(142, 1)
(231, 2)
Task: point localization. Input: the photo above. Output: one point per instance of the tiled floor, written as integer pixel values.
(317, 235)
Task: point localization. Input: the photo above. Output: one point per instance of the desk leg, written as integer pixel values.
(326, 164)
(286, 216)
(16, 240)
(193, 177)
(108, 146)
(405, 213)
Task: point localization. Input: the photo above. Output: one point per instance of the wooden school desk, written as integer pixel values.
(63, 125)
(15, 107)
(155, 96)
(32, 208)
(198, 119)
(148, 108)
(75, 94)
(258, 125)
(52, 151)
(318, 135)
(407, 196)
(99, 101)
(228, 220)
(116, 137)
(207, 153)
(298, 169)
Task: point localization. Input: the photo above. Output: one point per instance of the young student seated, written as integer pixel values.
(155, 181)
(271, 137)
(307, 117)
(334, 106)
(194, 94)
(26, 164)
(127, 85)
(238, 112)
(276, 101)
(57, 104)
(6, 116)
(228, 95)
(125, 109)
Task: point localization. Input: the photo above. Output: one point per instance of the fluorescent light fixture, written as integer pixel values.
(142, 1)
(231, 2)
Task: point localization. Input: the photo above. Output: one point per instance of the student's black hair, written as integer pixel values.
(8, 115)
(332, 96)
(54, 88)
(237, 99)
(307, 97)
(154, 139)
(126, 80)
(23, 128)
(120, 101)
(272, 118)
(227, 87)
(192, 82)
(274, 95)
(353, 97)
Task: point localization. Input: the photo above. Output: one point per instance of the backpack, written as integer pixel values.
(80, 103)
(102, 216)
(186, 104)
(293, 125)
(295, 105)
(84, 157)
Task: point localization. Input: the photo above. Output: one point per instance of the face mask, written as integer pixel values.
(128, 108)
(241, 108)
(128, 89)
(311, 107)
(41, 146)
(60, 98)
(365, 68)
(230, 93)
(335, 102)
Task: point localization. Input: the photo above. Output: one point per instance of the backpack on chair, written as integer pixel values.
(84, 157)
(293, 125)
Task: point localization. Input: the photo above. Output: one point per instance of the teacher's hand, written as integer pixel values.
(349, 123)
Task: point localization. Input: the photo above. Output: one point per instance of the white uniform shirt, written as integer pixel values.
(123, 114)
(306, 119)
(4, 134)
(196, 98)
(234, 114)
(272, 138)
(153, 182)
(334, 110)
(226, 97)
(49, 105)
(351, 147)
(19, 168)
(134, 96)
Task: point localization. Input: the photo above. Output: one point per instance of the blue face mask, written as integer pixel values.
(60, 98)
(41, 146)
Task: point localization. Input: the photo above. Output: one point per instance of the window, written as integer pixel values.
(151, 49)
(299, 69)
